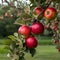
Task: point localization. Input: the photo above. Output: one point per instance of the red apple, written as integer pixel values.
(56, 22)
(53, 27)
(6, 14)
(25, 30)
(31, 42)
(37, 28)
(50, 13)
(59, 49)
(56, 41)
(37, 11)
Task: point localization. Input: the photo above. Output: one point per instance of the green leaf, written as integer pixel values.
(19, 21)
(32, 1)
(6, 47)
(21, 58)
(41, 1)
(26, 50)
(6, 42)
(56, 1)
(12, 46)
(24, 19)
(32, 52)
(11, 37)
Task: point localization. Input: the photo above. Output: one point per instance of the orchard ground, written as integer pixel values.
(46, 50)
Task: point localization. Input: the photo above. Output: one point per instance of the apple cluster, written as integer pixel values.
(35, 28)
(50, 15)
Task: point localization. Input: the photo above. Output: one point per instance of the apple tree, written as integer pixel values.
(34, 18)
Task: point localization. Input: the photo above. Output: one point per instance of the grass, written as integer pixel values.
(42, 40)
(2, 49)
(47, 52)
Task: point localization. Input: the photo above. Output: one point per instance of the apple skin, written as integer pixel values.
(50, 13)
(31, 42)
(37, 11)
(24, 30)
(37, 28)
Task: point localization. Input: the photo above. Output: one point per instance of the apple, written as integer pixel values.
(37, 11)
(59, 49)
(37, 28)
(31, 42)
(53, 27)
(56, 22)
(24, 30)
(6, 14)
(50, 13)
(56, 41)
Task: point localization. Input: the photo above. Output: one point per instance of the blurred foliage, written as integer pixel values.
(7, 25)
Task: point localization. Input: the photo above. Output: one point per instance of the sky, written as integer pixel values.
(0, 2)
(9, 0)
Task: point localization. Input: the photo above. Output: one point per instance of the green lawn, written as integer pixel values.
(47, 52)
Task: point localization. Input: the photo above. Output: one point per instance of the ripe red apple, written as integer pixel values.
(56, 22)
(31, 42)
(37, 28)
(56, 41)
(59, 49)
(37, 11)
(25, 30)
(53, 27)
(50, 13)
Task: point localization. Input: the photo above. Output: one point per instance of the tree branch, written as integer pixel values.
(49, 2)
